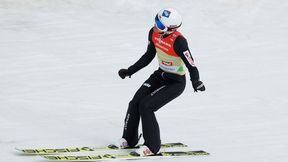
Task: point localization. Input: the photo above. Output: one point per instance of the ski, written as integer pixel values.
(45, 151)
(126, 157)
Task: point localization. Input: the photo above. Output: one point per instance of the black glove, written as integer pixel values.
(123, 73)
(198, 86)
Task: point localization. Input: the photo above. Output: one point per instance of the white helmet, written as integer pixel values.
(168, 19)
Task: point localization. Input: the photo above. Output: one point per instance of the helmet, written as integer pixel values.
(167, 20)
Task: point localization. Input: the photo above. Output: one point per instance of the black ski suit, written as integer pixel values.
(159, 89)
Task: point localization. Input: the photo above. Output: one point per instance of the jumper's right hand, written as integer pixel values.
(123, 73)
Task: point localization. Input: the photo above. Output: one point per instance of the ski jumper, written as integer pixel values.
(164, 85)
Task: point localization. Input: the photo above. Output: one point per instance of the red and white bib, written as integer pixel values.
(168, 60)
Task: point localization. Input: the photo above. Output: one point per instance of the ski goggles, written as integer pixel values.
(159, 24)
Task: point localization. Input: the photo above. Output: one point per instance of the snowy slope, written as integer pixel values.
(59, 85)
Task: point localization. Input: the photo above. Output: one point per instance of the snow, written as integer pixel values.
(59, 84)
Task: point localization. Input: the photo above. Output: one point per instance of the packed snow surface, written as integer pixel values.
(59, 85)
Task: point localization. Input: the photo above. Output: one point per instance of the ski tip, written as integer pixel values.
(21, 152)
(19, 149)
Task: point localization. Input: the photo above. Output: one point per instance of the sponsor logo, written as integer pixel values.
(166, 13)
(173, 26)
(160, 41)
(167, 63)
(147, 152)
(157, 90)
(171, 69)
(189, 58)
(173, 37)
(147, 85)
(126, 121)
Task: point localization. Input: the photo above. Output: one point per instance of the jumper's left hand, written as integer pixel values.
(198, 86)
